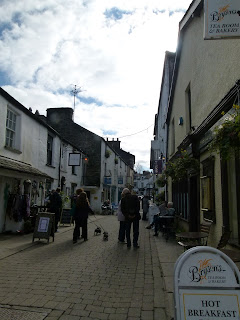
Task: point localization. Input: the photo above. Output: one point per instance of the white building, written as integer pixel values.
(33, 160)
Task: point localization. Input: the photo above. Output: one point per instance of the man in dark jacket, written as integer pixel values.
(55, 206)
(130, 207)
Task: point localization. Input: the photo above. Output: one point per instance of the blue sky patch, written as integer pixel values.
(109, 133)
(115, 13)
(4, 79)
(90, 100)
(179, 10)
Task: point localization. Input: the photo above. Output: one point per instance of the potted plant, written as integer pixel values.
(226, 140)
(116, 160)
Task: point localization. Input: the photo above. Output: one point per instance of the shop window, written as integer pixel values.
(207, 189)
(181, 198)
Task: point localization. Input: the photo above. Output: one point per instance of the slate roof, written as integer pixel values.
(14, 165)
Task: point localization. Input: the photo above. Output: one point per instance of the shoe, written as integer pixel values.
(128, 245)
(148, 227)
(155, 235)
(74, 241)
(122, 242)
(85, 239)
(136, 246)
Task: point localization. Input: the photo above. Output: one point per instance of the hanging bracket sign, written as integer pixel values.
(206, 285)
(221, 19)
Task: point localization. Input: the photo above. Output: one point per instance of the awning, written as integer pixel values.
(14, 165)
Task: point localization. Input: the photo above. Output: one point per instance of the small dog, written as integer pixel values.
(105, 236)
(97, 231)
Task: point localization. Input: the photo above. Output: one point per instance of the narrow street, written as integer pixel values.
(95, 279)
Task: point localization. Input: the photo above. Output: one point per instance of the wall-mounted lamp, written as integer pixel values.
(180, 121)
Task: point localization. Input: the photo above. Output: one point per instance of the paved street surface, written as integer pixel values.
(95, 279)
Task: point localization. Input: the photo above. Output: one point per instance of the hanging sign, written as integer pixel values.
(157, 166)
(222, 19)
(206, 285)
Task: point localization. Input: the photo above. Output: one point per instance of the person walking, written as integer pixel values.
(121, 218)
(55, 205)
(81, 216)
(130, 206)
(145, 207)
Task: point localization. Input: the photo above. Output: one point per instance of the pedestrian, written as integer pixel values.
(55, 205)
(130, 206)
(81, 216)
(73, 206)
(167, 211)
(121, 218)
(145, 207)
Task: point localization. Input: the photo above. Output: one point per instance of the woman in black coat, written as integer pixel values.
(81, 216)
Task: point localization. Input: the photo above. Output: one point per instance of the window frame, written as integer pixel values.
(11, 130)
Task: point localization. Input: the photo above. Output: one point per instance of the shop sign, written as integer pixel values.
(206, 285)
(107, 180)
(157, 166)
(120, 180)
(222, 19)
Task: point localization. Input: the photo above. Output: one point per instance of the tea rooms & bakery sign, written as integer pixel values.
(222, 19)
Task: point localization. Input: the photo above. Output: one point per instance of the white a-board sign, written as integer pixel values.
(206, 286)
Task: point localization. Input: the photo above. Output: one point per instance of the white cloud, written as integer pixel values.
(46, 45)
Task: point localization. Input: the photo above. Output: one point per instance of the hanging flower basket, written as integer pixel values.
(107, 153)
(182, 167)
(226, 140)
(161, 181)
(116, 160)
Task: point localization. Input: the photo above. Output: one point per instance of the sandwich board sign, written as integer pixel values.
(206, 285)
(221, 19)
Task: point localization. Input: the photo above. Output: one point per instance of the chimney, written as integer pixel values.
(56, 115)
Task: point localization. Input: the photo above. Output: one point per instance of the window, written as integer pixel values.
(11, 129)
(49, 149)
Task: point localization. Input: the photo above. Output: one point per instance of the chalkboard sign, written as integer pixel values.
(66, 217)
(44, 226)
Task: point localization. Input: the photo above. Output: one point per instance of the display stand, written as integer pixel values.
(206, 285)
(66, 217)
(44, 226)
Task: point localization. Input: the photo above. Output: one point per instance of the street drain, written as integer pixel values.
(13, 314)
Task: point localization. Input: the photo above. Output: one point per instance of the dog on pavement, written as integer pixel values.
(105, 236)
(97, 231)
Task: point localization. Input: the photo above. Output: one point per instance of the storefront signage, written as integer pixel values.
(157, 166)
(206, 285)
(43, 224)
(120, 180)
(107, 180)
(222, 19)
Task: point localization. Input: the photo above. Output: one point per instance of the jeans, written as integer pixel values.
(122, 231)
(135, 224)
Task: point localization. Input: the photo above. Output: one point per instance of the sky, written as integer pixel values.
(111, 51)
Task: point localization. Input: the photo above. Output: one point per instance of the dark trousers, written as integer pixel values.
(135, 224)
(80, 222)
(57, 217)
(122, 231)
